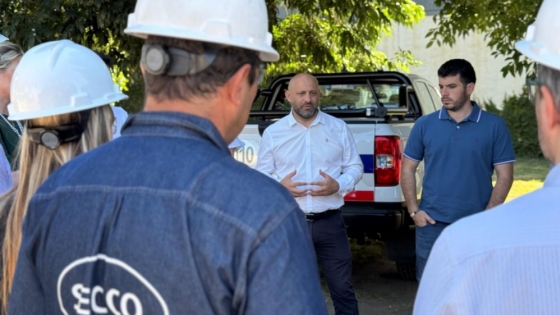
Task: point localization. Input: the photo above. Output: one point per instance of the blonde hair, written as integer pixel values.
(8, 53)
(36, 163)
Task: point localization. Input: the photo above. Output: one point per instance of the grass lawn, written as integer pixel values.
(528, 174)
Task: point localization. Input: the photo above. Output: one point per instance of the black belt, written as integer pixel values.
(320, 215)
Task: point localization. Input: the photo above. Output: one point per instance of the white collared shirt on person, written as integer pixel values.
(502, 261)
(327, 145)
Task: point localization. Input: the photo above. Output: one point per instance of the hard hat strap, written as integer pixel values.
(53, 137)
(172, 61)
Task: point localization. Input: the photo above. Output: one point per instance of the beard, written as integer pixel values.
(458, 104)
(305, 113)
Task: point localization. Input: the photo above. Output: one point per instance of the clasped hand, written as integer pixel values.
(325, 187)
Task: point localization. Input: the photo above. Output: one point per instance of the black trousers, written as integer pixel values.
(335, 259)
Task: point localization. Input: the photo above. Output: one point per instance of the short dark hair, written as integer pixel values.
(227, 62)
(459, 67)
(106, 59)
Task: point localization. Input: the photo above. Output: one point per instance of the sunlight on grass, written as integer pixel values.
(529, 175)
(521, 187)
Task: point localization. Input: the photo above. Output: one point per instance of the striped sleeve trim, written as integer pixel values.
(504, 162)
(411, 158)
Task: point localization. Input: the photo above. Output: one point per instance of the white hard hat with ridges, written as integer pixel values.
(542, 40)
(60, 77)
(238, 23)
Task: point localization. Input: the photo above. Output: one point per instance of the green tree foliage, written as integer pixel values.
(98, 24)
(504, 22)
(491, 107)
(315, 36)
(332, 35)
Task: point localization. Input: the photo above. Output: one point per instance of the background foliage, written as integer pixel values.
(311, 35)
(503, 23)
(519, 114)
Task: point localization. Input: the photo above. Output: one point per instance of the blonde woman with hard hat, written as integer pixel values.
(62, 91)
(10, 131)
(173, 224)
(507, 260)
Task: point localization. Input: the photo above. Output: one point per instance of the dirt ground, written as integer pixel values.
(379, 289)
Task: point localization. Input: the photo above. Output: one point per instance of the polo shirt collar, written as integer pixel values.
(319, 119)
(474, 116)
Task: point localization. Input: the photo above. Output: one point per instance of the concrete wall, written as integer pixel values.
(491, 85)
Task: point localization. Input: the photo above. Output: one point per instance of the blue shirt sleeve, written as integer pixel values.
(503, 145)
(414, 149)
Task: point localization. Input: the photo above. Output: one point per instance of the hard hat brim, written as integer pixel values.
(266, 52)
(538, 54)
(64, 109)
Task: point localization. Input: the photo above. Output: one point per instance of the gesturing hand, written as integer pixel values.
(292, 186)
(326, 187)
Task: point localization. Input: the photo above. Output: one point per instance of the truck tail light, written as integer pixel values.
(387, 159)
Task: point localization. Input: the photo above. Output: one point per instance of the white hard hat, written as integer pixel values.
(60, 77)
(541, 42)
(238, 23)
(3, 38)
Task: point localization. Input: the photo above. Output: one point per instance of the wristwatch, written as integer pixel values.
(414, 213)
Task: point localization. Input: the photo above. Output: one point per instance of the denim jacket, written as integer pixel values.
(164, 221)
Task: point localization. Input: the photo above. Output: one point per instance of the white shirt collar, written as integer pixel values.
(319, 119)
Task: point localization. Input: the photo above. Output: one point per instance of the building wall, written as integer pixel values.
(491, 85)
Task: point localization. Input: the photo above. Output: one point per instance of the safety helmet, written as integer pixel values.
(3, 38)
(60, 77)
(541, 41)
(238, 23)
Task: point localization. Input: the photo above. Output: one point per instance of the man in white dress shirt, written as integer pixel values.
(315, 157)
(507, 261)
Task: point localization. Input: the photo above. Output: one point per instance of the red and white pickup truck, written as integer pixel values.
(380, 108)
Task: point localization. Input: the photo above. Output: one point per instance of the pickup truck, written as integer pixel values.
(380, 109)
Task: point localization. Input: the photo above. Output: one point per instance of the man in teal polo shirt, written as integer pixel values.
(461, 146)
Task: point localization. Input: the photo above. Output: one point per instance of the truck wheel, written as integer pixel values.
(406, 269)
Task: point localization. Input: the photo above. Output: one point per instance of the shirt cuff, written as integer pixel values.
(342, 186)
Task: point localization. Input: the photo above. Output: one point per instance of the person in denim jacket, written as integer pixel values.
(64, 103)
(163, 220)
